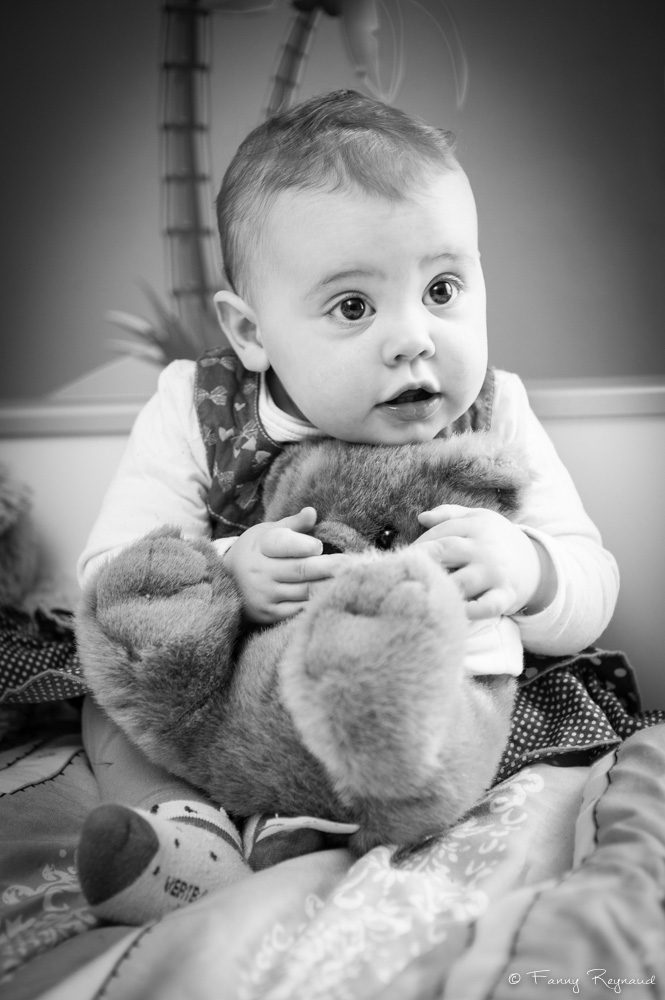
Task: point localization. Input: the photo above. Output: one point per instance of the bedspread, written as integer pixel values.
(552, 886)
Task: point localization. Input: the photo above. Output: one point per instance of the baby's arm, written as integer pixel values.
(579, 579)
(162, 477)
(586, 576)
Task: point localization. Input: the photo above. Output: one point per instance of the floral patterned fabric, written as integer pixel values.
(46, 789)
(239, 451)
(557, 869)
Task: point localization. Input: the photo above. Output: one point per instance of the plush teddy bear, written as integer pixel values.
(359, 708)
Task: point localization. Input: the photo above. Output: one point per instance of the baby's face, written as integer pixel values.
(371, 312)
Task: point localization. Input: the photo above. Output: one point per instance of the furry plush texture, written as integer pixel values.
(18, 543)
(359, 709)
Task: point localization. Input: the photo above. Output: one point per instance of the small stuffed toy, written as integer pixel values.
(18, 542)
(358, 709)
(38, 663)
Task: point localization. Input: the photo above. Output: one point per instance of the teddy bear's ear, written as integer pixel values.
(478, 474)
(503, 490)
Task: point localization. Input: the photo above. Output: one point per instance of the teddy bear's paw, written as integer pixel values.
(382, 606)
(375, 670)
(155, 631)
(159, 587)
(159, 565)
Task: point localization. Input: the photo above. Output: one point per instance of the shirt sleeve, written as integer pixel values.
(587, 576)
(162, 478)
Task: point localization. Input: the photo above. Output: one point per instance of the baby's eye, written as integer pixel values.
(352, 308)
(441, 292)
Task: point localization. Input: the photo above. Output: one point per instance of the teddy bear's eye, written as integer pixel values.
(386, 537)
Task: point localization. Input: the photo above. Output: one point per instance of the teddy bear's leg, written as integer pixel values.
(376, 683)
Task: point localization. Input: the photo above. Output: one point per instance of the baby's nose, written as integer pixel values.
(409, 340)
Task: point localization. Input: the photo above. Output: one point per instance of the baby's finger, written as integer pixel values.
(324, 567)
(304, 520)
(284, 543)
(451, 552)
(491, 604)
(315, 567)
(444, 512)
(307, 570)
(291, 594)
(471, 580)
(286, 609)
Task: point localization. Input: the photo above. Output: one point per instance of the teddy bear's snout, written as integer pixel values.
(338, 537)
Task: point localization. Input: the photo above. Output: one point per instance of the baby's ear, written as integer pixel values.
(238, 322)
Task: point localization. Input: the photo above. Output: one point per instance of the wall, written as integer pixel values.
(615, 463)
(562, 132)
(608, 445)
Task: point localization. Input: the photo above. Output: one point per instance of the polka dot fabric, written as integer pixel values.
(38, 661)
(570, 710)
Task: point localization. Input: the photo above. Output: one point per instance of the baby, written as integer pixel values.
(355, 310)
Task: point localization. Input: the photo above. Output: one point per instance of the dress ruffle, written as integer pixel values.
(570, 710)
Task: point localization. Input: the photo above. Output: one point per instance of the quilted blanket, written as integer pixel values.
(553, 886)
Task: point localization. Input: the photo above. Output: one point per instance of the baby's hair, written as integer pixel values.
(339, 140)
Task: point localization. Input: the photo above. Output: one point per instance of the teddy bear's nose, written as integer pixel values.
(331, 550)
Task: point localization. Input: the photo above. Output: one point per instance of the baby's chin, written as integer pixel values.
(409, 434)
(412, 421)
(412, 437)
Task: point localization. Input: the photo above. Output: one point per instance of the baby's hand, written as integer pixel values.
(278, 565)
(498, 568)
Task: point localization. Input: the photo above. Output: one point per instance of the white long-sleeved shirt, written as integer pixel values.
(163, 478)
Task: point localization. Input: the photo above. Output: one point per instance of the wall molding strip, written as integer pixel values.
(552, 399)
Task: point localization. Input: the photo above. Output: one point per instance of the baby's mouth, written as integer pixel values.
(414, 404)
(410, 396)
